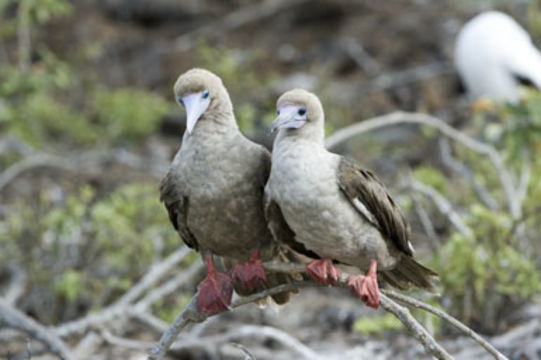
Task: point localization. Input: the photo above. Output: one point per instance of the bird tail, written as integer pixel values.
(409, 272)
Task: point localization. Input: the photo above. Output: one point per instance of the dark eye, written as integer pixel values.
(179, 99)
(205, 94)
(301, 111)
(278, 112)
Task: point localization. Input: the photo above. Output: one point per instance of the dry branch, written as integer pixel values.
(191, 315)
(443, 205)
(16, 285)
(462, 170)
(123, 307)
(12, 317)
(409, 301)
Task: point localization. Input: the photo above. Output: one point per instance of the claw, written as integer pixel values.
(323, 271)
(215, 291)
(365, 287)
(249, 273)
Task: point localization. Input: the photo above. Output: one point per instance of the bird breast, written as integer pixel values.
(303, 182)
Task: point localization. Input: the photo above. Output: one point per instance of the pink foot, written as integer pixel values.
(366, 287)
(323, 271)
(215, 291)
(249, 273)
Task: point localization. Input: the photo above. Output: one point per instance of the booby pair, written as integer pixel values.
(316, 203)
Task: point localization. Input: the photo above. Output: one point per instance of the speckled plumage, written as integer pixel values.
(214, 188)
(333, 208)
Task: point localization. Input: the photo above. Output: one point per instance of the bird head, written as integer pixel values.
(300, 113)
(202, 93)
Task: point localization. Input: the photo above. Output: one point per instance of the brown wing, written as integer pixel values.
(369, 196)
(177, 206)
(280, 229)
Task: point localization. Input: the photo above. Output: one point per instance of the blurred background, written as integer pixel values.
(89, 124)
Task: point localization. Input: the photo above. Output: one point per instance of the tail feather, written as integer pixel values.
(408, 273)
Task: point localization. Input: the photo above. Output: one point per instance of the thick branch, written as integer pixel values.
(191, 315)
(12, 317)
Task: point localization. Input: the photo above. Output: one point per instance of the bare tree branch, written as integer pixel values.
(462, 170)
(451, 320)
(12, 317)
(16, 285)
(428, 227)
(442, 204)
(191, 315)
(122, 307)
(155, 273)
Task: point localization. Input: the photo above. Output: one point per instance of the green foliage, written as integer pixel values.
(432, 177)
(377, 325)
(131, 215)
(86, 250)
(129, 114)
(42, 118)
(43, 11)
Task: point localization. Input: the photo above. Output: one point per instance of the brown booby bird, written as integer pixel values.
(328, 208)
(214, 193)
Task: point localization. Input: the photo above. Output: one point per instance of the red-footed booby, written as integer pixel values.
(328, 208)
(494, 55)
(213, 193)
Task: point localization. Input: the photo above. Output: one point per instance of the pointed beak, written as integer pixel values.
(288, 118)
(195, 106)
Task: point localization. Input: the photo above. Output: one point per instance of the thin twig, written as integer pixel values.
(451, 320)
(461, 169)
(393, 79)
(396, 118)
(419, 332)
(428, 227)
(169, 286)
(14, 318)
(119, 308)
(23, 35)
(443, 205)
(155, 273)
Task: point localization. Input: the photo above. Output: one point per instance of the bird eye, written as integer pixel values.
(301, 111)
(180, 100)
(205, 94)
(278, 112)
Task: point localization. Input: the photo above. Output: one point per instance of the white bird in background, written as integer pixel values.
(494, 55)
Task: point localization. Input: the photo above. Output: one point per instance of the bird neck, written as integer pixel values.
(307, 134)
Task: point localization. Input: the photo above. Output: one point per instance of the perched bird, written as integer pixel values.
(327, 208)
(494, 55)
(213, 193)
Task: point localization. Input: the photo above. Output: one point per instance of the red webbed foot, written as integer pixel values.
(365, 287)
(215, 291)
(249, 273)
(323, 271)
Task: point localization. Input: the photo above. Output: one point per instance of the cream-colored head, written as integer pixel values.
(300, 113)
(204, 97)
